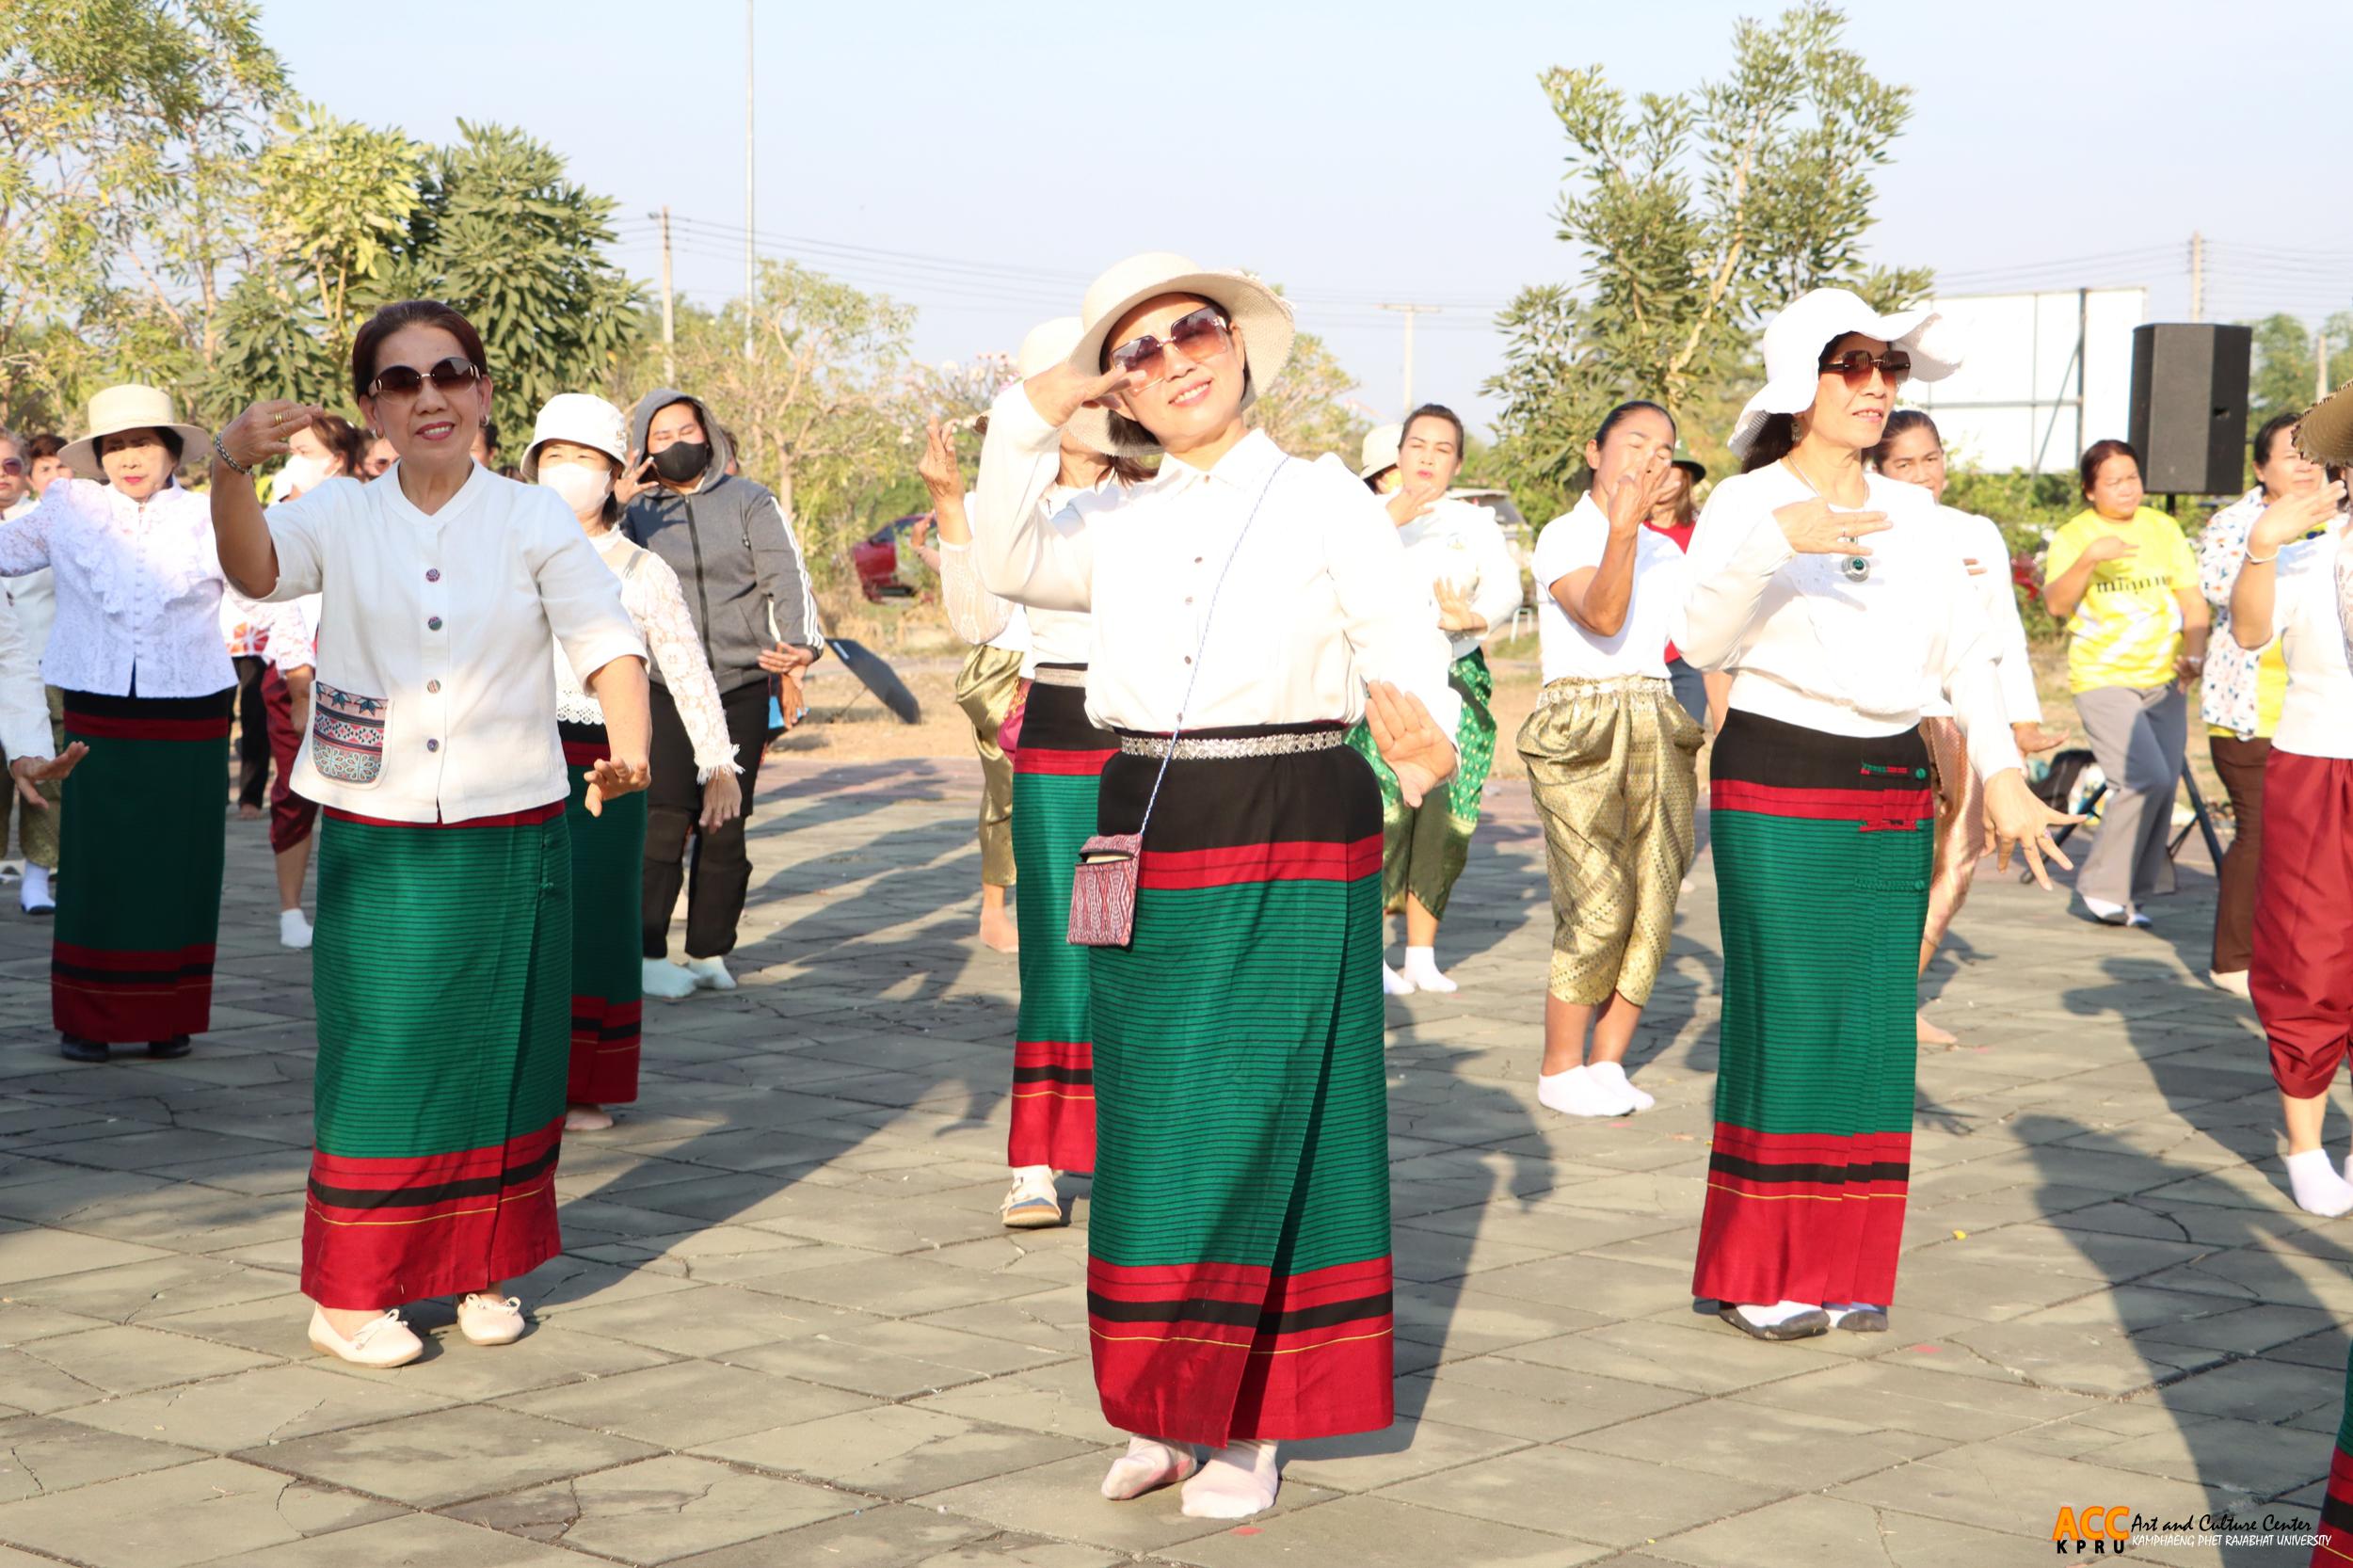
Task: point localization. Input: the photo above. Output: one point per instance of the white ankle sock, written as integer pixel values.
(36, 890)
(294, 930)
(1614, 1084)
(1146, 1466)
(1394, 983)
(1575, 1094)
(1780, 1312)
(2316, 1186)
(1421, 967)
(1236, 1483)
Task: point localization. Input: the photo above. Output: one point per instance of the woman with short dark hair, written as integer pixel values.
(443, 967)
(147, 682)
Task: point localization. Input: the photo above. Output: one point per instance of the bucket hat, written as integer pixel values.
(1380, 450)
(581, 417)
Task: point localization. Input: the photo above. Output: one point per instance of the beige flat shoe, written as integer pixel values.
(385, 1343)
(489, 1321)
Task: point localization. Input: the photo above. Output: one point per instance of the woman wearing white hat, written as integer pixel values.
(1056, 767)
(1239, 1276)
(578, 449)
(1822, 805)
(442, 965)
(136, 649)
(1376, 459)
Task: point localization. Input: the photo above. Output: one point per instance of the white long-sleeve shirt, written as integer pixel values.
(1979, 539)
(1460, 543)
(1048, 636)
(1808, 645)
(137, 586)
(1316, 602)
(435, 698)
(657, 606)
(2316, 718)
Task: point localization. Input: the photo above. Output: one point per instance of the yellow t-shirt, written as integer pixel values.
(2127, 629)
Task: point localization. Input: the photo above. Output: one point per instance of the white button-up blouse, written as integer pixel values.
(1317, 603)
(137, 586)
(435, 696)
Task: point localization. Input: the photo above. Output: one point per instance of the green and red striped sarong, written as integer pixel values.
(1055, 771)
(2334, 1547)
(1237, 1267)
(1424, 848)
(143, 837)
(443, 972)
(1822, 849)
(608, 974)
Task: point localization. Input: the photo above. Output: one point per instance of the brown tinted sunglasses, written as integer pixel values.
(1856, 365)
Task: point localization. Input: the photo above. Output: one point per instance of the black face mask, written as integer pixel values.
(681, 460)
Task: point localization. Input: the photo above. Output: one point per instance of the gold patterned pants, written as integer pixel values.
(1613, 767)
(986, 689)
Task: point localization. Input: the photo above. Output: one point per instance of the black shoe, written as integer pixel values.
(165, 1051)
(1805, 1325)
(1862, 1320)
(74, 1048)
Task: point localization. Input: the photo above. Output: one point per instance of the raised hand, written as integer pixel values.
(2283, 522)
(1812, 528)
(2110, 547)
(1410, 742)
(1454, 607)
(635, 479)
(941, 474)
(611, 777)
(1635, 496)
(1060, 390)
(31, 772)
(2022, 824)
(266, 430)
(1415, 496)
(2032, 737)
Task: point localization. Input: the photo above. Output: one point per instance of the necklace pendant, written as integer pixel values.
(1857, 568)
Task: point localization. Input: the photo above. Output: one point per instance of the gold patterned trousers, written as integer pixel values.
(1613, 767)
(986, 689)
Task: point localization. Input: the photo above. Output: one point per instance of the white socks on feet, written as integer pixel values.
(1576, 1093)
(1146, 1466)
(2316, 1186)
(710, 974)
(1421, 970)
(294, 931)
(659, 977)
(1236, 1483)
(1609, 1077)
(34, 895)
(1394, 983)
(1779, 1312)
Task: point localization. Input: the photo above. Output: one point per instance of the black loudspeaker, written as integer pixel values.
(2189, 407)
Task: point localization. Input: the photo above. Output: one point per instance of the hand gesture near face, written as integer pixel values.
(1415, 497)
(266, 430)
(939, 467)
(635, 479)
(1635, 496)
(2283, 522)
(1060, 390)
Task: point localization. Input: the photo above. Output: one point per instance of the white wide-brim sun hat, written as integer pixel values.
(581, 417)
(1261, 316)
(1380, 450)
(131, 407)
(1795, 339)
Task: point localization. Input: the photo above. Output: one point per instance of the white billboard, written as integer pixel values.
(2043, 376)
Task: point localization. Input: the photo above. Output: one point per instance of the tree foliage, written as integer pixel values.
(1308, 411)
(1697, 215)
(2283, 377)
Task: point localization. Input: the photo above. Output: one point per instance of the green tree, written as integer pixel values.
(1697, 214)
(1307, 410)
(127, 130)
(2282, 380)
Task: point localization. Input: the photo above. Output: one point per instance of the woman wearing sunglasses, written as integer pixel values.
(442, 964)
(1835, 599)
(1238, 1272)
(147, 685)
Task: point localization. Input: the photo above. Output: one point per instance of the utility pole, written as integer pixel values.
(2320, 366)
(669, 332)
(2197, 276)
(749, 270)
(1410, 312)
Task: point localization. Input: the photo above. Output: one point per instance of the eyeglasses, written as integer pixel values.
(1856, 365)
(1200, 336)
(408, 380)
(12, 465)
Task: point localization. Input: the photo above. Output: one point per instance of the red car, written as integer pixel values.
(877, 560)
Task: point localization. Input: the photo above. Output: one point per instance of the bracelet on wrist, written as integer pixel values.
(222, 453)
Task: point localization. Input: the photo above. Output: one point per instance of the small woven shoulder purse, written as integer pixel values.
(1103, 889)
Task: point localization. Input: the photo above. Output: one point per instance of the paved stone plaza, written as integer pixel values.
(788, 1329)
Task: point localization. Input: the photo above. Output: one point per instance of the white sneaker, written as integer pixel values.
(659, 977)
(491, 1319)
(710, 974)
(294, 928)
(385, 1341)
(2104, 912)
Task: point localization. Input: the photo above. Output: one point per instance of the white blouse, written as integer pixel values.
(1048, 636)
(1808, 645)
(2316, 720)
(1460, 543)
(138, 589)
(24, 707)
(1317, 603)
(657, 606)
(1662, 578)
(1979, 539)
(435, 698)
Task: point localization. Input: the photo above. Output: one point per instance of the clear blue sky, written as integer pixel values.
(1357, 153)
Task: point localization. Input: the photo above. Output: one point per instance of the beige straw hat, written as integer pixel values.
(2325, 433)
(131, 407)
(1261, 315)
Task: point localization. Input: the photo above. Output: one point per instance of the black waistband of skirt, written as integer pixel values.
(1328, 796)
(1755, 750)
(1055, 719)
(572, 732)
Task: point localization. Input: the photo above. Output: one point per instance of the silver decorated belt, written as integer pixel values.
(1057, 675)
(1219, 749)
(1575, 689)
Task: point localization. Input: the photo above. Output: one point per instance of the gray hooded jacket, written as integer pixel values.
(734, 553)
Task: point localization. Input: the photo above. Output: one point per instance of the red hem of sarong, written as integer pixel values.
(121, 997)
(585, 754)
(2334, 1546)
(109, 727)
(1053, 1105)
(1805, 1217)
(1297, 861)
(382, 1232)
(606, 1041)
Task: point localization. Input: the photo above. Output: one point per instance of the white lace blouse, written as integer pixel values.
(138, 588)
(652, 595)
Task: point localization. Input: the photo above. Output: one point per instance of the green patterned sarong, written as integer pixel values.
(1424, 848)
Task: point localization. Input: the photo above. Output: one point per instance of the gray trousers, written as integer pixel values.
(2139, 738)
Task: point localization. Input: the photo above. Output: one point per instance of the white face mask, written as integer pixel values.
(583, 487)
(304, 473)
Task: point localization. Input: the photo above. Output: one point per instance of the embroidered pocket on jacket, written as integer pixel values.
(348, 734)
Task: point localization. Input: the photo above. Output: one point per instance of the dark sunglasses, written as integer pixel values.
(1856, 365)
(407, 380)
(12, 465)
(1200, 336)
